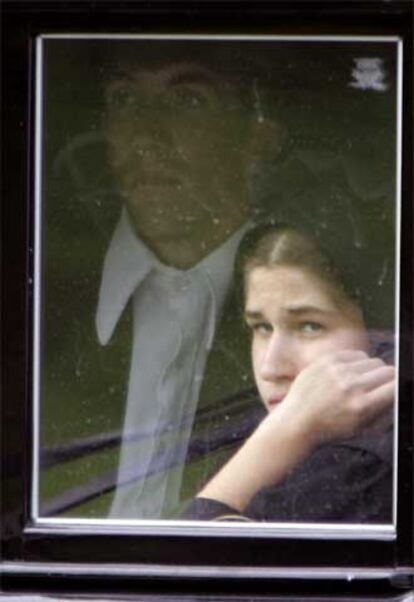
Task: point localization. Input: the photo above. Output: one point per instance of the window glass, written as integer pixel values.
(216, 302)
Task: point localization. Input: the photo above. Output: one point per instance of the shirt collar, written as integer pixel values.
(128, 262)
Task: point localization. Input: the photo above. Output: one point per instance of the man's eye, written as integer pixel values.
(121, 96)
(189, 99)
(311, 328)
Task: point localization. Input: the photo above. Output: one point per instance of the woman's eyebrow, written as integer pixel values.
(308, 309)
(253, 315)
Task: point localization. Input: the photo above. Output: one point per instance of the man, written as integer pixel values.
(182, 137)
(183, 124)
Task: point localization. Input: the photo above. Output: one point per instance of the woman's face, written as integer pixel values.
(295, 318)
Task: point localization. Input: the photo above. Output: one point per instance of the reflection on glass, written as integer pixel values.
(161, 160)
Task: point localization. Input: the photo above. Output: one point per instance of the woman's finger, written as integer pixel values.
(381, 398)
(365, 365)
(375, 378)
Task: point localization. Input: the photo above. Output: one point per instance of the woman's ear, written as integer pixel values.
(266, 141)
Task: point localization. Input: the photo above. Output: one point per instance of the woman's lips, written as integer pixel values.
(275, 399)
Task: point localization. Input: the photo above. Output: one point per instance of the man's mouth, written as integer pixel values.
(158, 179)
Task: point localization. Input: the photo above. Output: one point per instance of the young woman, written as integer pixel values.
(320, 452)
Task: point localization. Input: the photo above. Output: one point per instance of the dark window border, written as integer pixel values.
(156, 557)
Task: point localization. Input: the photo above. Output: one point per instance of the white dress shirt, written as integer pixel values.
(175, 314)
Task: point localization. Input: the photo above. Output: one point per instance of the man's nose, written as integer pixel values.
(149, 145)
(278, 361)
(153, 138)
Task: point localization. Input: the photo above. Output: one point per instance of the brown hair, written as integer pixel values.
(277, 245)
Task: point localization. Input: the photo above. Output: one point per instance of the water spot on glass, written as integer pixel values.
(383, 274)
(368, 74)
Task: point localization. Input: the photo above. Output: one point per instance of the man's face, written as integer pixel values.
(178, 141)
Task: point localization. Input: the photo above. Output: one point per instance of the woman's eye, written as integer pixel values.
(263, 328)
(311, 328)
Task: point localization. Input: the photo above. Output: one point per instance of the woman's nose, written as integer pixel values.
(278, 360)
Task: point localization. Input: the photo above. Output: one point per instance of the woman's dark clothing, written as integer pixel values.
(348, 481)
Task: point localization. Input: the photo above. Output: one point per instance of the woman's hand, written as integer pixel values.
(337, 396)
(334, 397)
